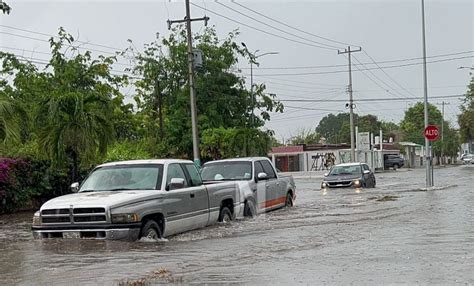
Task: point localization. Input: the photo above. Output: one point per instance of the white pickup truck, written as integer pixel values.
(261, 187)
(134, 199)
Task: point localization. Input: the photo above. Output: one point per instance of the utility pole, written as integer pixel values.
(351, 103)
(428, 157)
(192, 91)
(443, 103)
(253, 59)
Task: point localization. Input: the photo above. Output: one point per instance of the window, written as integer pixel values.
(366, 168)
(258, 169)
(227, 171)
(267, 168)
(124, 177)
(193, 174)
(175, 171)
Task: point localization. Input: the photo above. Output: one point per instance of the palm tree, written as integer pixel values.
(9, 122)
(75, 126)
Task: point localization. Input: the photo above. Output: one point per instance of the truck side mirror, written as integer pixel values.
(74, 187)
(262, 176)
(366, 172)
(176, 183)
(326, 174)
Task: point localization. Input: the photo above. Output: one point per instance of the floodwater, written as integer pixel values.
(398, 232)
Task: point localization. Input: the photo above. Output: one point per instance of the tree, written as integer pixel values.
(413, 124)
(330, 128)
(466, 118)
(74, 118)
(222, 99)
(305, 137)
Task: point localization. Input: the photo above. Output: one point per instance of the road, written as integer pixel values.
(395, 233)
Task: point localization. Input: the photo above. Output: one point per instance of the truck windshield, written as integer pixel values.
(124, 177)
(227, 171)
(345, 170)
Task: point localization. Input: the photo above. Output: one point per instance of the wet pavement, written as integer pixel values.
(396, 233)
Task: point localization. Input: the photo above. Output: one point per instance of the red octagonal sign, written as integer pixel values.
(431, 132)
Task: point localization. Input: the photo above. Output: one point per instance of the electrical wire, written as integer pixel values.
(289, 26)
(260, 30)
(367, 63)
(278, 29)
(361, 64)
(53, 36)
(371, 99)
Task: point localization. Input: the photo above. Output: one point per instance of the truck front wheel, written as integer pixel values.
(150, 230)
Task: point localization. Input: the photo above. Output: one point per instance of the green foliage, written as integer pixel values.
(23, 182)
(330, 127)
(222, 100)
(222, 142)
(413, 124)
(305, 137)
(466, 118)
(127, 150)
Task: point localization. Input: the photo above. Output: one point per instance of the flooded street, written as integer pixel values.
(395, 233)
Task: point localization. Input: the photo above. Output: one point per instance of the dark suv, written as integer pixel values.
(393, 161)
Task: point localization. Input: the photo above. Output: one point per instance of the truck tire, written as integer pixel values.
(249, 209)
(151, 230)
(395, 166)
(225, 216)
(289, 200)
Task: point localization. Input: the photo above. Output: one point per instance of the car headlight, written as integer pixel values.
(324, 185)
(125, 218)
(356, 182)
(36, 219)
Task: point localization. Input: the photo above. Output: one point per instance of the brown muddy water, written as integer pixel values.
(396, 233)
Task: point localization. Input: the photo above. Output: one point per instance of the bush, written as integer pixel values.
(26, 183)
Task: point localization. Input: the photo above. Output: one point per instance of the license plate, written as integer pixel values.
(72, 234)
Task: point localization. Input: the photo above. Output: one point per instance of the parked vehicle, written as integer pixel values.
(393, 161)
(468, 159)
(349, 175)
(261, 187)
(134, 199)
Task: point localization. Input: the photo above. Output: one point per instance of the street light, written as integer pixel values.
(252, 58)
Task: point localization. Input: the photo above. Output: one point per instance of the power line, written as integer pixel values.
(260, 30)
(292, 27)
(47, 41)
(389, 77)
(370, 99)
(367, 63)
(383, 82)
(48, 53)
(53, 36)
(326, 46)
(361, 64)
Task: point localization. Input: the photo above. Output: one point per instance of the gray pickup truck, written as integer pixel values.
(134, 199)
(261, 188)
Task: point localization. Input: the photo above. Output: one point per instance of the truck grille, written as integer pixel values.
(71, 216)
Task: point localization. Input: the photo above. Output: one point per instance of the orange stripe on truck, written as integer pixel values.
(272, 203)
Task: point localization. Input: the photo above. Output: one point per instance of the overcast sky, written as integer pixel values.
(386, 31)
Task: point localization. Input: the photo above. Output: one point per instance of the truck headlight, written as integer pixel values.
(36, 219)
(324, 185)
(125, 218)
(357, 183)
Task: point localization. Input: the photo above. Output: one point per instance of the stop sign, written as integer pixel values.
(431, 133)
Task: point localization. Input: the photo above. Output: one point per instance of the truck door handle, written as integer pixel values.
(191, 195)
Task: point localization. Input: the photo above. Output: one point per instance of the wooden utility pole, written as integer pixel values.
(351, 102)
(192, 91)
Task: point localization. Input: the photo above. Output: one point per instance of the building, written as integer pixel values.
(316, 157)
